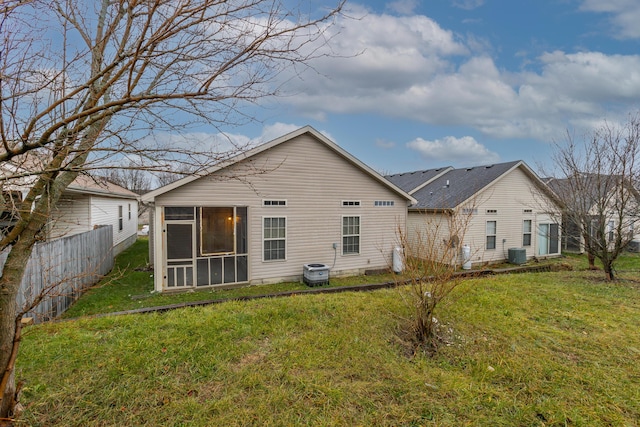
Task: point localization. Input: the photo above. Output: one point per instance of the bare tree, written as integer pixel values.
(130, 177)
(432, 254)
(168, 176)
(82, 83)
(596, 187)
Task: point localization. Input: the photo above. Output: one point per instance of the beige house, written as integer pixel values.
(608, 210)
(489, 209)
(265, 214)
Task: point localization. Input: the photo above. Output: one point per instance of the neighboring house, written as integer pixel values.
(507, 205)
(264, 214)
(88, 202)
(597, 197)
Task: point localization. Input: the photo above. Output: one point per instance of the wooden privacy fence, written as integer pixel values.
(62, 269)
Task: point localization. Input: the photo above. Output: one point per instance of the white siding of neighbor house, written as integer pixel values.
(510, 195)
(70, 216)
(314, 180)
(104, 211)
(77, 213)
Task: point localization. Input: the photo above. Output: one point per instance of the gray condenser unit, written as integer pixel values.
(634, 246)
(517, 256)
(315, 274)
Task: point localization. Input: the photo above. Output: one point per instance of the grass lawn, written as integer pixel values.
(546, 349)
(130, 285)
(126, 289)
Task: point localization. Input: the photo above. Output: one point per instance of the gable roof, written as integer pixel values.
(587, 189)
(29, 165)
(150, 196)
(99, 187)
(456, 186)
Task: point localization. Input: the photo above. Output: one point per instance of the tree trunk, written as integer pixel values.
(608, 269)
(592, 261)
(9, 286)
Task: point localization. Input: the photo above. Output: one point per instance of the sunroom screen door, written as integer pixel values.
(179, 244)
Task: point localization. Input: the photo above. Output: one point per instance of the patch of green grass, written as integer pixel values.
(127, 289)
(529, 349)
(626, 262)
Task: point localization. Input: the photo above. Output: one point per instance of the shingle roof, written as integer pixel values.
(458, 185)
(410, 181)
(99, 186)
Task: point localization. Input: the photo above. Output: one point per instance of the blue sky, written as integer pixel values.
(423, 84)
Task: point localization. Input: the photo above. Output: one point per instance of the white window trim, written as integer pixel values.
(120, 218)
(489, 235)
(530, 233)
(611, 228)
(263, 239)
(342, 235)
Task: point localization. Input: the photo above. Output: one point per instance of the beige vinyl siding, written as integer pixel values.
(509, 196)
(314, 181)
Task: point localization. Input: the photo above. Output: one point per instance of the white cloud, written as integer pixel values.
(465, 150)
(625, 15)
(378, 53)
(591, 76)
(468, 4)
(276, 130)
(412, 68)
(403, 7)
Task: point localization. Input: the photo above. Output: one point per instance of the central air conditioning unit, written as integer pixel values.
(315, 274)
(517, 256)
(634, 246)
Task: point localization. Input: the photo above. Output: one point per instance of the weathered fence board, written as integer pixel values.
(63, 269)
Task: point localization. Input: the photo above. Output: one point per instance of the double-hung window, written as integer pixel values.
(120, 218)
(274, 233)
(491, 234)
(350, 235)
(610, 230)
(526, 232)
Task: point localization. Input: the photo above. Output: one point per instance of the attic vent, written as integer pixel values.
(528, 211)
(492, 211)
(351, 203)
(274, 203)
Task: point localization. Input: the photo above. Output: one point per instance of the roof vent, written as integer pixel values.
(488, 167)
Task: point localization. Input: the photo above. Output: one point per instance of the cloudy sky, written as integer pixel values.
(421, 84)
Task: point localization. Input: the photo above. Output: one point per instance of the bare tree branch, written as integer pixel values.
(84, 84)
